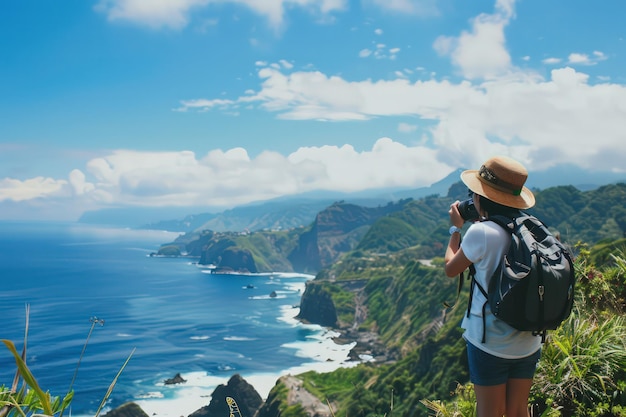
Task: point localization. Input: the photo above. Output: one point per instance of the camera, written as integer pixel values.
(468, 210)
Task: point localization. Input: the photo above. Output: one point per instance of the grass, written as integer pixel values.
(26, 398)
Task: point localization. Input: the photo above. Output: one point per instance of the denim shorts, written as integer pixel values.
(487, 370)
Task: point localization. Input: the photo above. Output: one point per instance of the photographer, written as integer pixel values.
(501, 364)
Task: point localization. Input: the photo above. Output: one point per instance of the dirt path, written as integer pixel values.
(313, 406)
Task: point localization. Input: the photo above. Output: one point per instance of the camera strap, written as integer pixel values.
(471, 271)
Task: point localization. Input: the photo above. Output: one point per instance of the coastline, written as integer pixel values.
(322, 353)
(161, 306)
(325, 350)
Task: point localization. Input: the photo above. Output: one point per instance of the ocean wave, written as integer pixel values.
(239, 338)
(203, 337)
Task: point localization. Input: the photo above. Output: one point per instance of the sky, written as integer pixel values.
(218, 103)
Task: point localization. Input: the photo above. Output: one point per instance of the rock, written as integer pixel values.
(178, 379)
(316, 306)
(127, 410)
(248, 401)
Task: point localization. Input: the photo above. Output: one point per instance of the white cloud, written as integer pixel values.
(414, 7)
(576, 58)
(175, 14)
(380, 52)
(227, 178)
(584, 59)
(158, 13)
(78, 183)
(204, 104)
(551, 61)
(286, 64)
(541, 122)
(388, 164)
(546, 121)
(599, 55)
(481, 52)
(38, 187)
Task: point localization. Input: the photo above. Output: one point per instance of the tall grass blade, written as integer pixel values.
(28, 377)
(110, 390)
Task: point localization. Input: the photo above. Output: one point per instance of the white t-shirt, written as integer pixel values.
(484, 244)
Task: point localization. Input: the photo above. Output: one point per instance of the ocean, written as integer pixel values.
(176, 317)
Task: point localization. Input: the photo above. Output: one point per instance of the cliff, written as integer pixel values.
(247, 400)
(316, 306)
(336, 230)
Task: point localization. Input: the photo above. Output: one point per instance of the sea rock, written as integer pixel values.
(178, 379)
(316, 306)
(247, 400)
(127, 410)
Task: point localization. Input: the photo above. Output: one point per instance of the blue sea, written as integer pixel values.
(176, 317)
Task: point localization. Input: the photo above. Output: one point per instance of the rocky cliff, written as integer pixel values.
(247, 400)
(236, 259)
(335, 231)
(316, 306)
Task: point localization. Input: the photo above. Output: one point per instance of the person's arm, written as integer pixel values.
(455, 260)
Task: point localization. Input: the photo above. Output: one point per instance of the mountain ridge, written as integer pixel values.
(184, 219)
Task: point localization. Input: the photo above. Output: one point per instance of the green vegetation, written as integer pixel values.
(279, 406)
(350, 239)
(268, 248)
(582, 371)
(343, 301)
(169, 250)
(590, 216)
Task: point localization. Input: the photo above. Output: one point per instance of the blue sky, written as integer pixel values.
(215, 103)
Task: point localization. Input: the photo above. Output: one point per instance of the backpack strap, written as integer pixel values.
(508, 224)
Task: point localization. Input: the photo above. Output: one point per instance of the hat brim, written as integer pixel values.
(524, 200)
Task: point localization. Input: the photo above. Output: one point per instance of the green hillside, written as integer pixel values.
(386, 263)
(404, 300)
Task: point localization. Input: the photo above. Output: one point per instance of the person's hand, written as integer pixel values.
(455, 216)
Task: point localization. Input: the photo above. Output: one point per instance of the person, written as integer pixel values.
(503, 366)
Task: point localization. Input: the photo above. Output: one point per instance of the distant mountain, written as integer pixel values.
(566, 174)
(416, 225)
(293, 211)
(279, 213)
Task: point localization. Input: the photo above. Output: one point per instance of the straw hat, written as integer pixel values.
(501, 179)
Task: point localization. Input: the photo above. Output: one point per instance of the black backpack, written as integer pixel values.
(533, 287)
